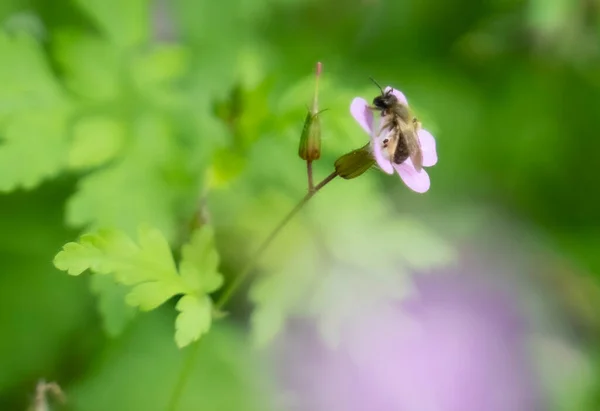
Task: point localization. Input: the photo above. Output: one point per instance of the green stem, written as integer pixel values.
(234, 285)
(188, 366)
(237, 282)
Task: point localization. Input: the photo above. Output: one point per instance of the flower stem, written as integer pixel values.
(237, 282)
(309, 173)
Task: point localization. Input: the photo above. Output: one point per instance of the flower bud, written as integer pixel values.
(354, 163)
(310, 140)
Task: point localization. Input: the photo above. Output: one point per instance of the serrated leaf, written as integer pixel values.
(193, 320)
(116, 314)
(127, 27)
(96, 140)
(156, 252)
(148, 267)
(111, 251)
(200, 261)
(75, 258)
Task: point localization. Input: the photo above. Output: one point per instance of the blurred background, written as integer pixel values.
(480, 294)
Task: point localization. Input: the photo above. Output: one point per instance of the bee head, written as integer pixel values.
(385, 100)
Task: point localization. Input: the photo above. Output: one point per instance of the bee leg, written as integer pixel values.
(416, 123)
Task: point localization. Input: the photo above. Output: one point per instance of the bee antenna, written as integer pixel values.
(377, 84)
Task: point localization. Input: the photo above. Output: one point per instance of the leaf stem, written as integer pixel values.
(235, 284)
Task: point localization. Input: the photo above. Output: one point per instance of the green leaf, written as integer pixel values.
(148, 296)
(149, 269)
(156, 72)
(96, 140)
(27, 81)
(39, 138)
(125, 23)
(200, 262)
(194, 319)
(90, 64)
(75, 258)
(116, 314)
(122, 196)
(146, 184)
(33, 116)
(348, 243)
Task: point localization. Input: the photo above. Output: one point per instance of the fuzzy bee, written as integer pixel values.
(401, 140)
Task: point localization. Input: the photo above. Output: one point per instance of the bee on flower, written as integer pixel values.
(397, 140)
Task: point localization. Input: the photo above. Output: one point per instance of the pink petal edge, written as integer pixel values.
(361, 113)
(399, 95)
(427, 141)
(417, 181)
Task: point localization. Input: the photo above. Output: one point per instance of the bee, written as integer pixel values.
(401, 141)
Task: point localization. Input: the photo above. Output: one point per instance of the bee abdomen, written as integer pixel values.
(401, 153)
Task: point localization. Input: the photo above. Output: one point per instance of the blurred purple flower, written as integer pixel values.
(416, 181)
(459, 345)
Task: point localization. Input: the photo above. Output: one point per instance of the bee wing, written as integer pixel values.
(414, 149)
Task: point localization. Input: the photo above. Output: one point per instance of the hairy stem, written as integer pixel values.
(237, 282)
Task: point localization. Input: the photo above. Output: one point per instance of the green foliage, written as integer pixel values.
(337, 250)
(33, 116)
(149, 270)
(129, 27)
(142, 366)
(142, 107)
(116, 313)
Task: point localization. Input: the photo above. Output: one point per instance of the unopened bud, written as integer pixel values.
(310, 140)
(354, 163)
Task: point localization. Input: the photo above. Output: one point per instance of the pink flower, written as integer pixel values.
(416, 181)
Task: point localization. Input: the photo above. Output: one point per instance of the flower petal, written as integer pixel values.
(399, 95)
(377, 147)
(416, 181)
(428, 148)
(361, 113)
